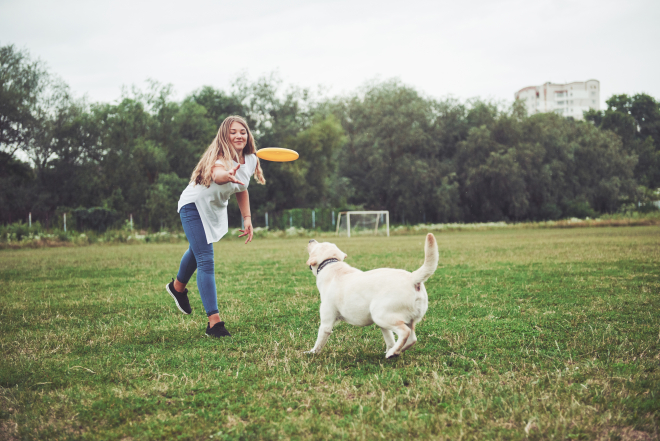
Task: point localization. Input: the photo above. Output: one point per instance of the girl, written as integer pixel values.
(225, 169)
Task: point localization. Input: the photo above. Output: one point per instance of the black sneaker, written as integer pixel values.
(218, 330)
(180, 298)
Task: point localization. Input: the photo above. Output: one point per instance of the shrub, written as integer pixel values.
(19, 231)
(96, 218)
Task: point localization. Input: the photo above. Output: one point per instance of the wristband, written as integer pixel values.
(246, 216)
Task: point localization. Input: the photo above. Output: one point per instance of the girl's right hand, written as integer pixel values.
(222, 176)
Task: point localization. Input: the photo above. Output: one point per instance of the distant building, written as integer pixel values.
(570, 99)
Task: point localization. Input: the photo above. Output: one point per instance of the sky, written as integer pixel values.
(460, 49)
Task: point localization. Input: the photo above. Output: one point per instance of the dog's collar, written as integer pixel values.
(323, 264)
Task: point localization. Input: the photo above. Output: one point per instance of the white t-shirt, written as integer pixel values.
(212, 202)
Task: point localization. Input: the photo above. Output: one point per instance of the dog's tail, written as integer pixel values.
(430, 261)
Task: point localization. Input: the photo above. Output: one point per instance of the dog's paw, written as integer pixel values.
(391, 354)
(311, 351)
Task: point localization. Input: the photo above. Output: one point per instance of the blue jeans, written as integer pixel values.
(198, 256)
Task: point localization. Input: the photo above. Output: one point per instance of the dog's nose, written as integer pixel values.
(311, 241)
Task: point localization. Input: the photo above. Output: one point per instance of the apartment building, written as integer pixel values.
(571, 99)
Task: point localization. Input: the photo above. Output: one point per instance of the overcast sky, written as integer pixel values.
(484, 48)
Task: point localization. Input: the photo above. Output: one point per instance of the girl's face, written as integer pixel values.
(238, 136)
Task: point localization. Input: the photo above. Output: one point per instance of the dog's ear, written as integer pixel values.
(311, 261)
(339, 255)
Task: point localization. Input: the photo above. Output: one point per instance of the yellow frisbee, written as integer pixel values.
(277, 154)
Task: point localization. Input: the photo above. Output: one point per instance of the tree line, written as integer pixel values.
(386, 147)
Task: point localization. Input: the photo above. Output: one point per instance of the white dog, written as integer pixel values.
(393, 299)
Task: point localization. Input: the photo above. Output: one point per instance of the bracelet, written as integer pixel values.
(246, 216)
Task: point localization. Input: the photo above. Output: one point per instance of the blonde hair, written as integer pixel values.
(221, 149)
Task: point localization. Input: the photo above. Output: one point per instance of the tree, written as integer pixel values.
(392, 156)
(218, 104)
(16, 188)
(21, 83)
(40, 117)
(131, 161)
(636, 120)
(385, 147)
(162, 199)
(492, 182)
(604, 171)
(307, 182)
(275, 117)
(193, 132)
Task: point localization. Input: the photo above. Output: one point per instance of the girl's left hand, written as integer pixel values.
(247, 229)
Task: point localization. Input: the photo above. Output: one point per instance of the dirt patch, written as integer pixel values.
(626, 434)
(8, 430)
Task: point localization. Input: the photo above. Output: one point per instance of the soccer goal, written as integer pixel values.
(363, 223)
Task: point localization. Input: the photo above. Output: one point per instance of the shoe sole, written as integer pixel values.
(167, 287)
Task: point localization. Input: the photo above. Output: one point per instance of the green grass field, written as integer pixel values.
(530, 334)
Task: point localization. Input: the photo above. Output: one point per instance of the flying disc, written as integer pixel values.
(277, 154)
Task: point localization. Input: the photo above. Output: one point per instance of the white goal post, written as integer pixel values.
(374, 215)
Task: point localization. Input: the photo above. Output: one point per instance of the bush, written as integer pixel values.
(579, 209)
(97, 219)
(648, 207)
(19, 231)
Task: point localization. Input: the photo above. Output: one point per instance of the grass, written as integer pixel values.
(530, 334)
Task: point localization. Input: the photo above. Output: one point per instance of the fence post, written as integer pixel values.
(30, 219)
(333, 218)
(64, 222)
(266, 219)
(131, 221)
(313, 219)
(290, 220)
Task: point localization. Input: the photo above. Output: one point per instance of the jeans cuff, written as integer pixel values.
(215, 311)
(180, 278)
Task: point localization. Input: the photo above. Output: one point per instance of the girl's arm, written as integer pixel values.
(243, 199)
(220, 175)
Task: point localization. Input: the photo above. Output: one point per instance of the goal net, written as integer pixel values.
(357, 223)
